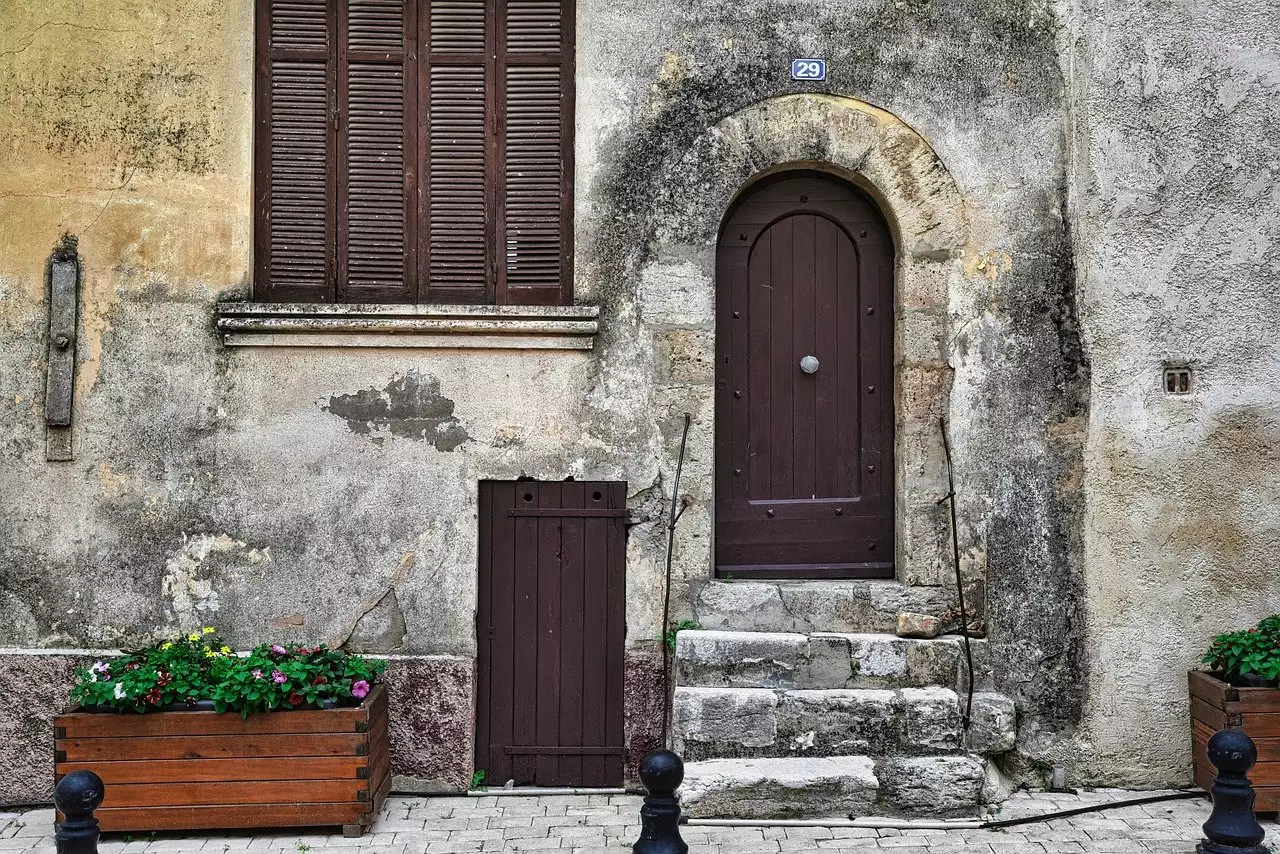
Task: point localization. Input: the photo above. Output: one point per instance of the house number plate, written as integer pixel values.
(808, 69)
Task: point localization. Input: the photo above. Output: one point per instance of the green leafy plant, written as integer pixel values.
(477, 780)
(669, 638)
(199, 666)
(1248, 656)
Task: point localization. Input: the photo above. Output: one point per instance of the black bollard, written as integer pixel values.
(1232, 827)
(661, 771)
(76, 796)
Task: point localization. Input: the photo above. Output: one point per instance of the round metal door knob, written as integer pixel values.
(809, 365)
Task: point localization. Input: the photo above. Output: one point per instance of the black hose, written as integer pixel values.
(1132, 802)
(950, 498)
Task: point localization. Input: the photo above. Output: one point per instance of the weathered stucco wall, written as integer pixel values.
(260, 490)
(1176, 223)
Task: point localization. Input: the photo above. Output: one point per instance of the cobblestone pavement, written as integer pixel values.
(608, 824)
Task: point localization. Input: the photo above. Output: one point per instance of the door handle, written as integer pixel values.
(809, 365)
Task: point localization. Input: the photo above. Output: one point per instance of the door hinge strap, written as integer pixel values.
(565, 511)
(565, 751)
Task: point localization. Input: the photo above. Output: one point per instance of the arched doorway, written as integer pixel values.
(804, 383)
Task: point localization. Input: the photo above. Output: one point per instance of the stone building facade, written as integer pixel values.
(1079, 195)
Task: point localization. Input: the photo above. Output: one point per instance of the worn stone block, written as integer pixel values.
(730, 719)
(993, 723)
(886, 661)
(37, 685)
(918, 626)
(778, 788)
(741, 659)
(432, 722)
(942, 785)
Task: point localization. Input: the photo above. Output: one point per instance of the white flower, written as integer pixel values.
(119, 690)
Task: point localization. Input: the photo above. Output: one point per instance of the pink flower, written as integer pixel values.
(257, 674)
(278, 677)
(278, 649)
(360, 689)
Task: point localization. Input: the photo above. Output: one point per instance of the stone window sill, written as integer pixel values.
(485, 327)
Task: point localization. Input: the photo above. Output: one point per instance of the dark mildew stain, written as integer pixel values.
(410, 407)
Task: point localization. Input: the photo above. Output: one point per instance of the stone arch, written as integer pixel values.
(926, 213)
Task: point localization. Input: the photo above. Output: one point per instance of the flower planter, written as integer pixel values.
(200, 770)
(1217, 705)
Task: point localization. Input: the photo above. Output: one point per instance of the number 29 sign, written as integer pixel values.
(808, 69)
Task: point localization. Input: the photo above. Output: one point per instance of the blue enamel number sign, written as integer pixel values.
(808, 69)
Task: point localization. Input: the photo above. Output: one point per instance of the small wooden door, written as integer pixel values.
(804, 384)
(551, 626)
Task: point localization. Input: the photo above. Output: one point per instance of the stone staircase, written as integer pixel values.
(809, 722)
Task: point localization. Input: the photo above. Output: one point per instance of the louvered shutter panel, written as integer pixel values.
(458, 199)
(294, 187)
(536, 166)
(376, 187)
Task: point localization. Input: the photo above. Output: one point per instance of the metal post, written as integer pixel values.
(1232, 827)
(76, 796)
(661, 771)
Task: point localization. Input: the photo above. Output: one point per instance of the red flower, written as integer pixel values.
(295, 698)
(1253, 631)
(320, 680)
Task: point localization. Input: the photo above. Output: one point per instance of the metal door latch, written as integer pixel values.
(59, 389)
(809, 365)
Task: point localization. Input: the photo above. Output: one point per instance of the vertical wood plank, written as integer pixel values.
(782, 360)
(851, 312)
(803, 286)
(485, 670)
(572, 616)
(595, 626)
(548, 643)
(757, 409)
(526, 696)
(827, 382)
(617, 632)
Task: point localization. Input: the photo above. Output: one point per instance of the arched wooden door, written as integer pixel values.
(804, 384)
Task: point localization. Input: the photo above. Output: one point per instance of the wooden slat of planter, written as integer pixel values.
(1251, 700)
(209, 746)
(1213, 691)
(103, 725)
(86, 725)
(1215, 718)
(214, 770)
(1267, 799)
(1203, 776)
(230, 816)
(241, 792)
(1258, 725)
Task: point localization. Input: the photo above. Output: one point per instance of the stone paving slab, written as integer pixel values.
(609, 824)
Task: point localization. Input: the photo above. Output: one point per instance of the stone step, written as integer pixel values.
(722, 723)
(835, 787)
(727, 659)
(852, 606)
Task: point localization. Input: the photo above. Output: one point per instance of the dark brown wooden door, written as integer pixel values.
(804, 384)
(551, 626)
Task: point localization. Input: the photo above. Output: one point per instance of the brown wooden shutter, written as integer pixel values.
(377, 99)
(457, 202)
(389, 175)
(536, 168)
(294, 145)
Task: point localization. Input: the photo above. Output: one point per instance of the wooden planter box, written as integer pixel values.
(205, 771)
(1217, 705)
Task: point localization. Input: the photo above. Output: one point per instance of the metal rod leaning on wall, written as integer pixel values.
(950, 498)
(60, 379)
(672, 519)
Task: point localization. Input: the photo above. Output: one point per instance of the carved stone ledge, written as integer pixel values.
(487, 327)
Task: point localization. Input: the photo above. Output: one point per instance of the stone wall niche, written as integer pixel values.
(881, 154)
